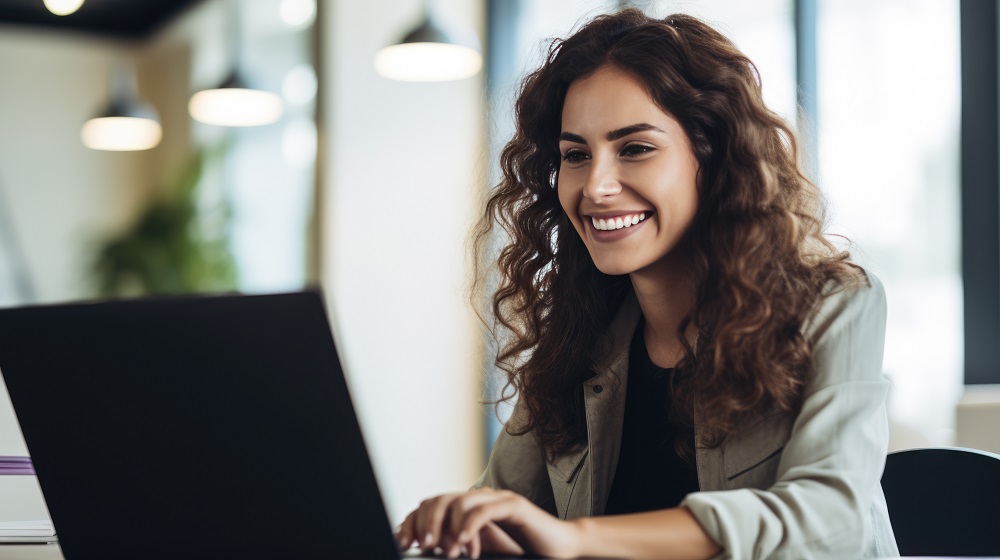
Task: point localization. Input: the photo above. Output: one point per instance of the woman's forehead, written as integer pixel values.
(607, 100)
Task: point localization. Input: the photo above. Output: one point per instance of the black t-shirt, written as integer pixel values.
(650, 474)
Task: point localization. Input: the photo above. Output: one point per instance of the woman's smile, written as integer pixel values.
(612, 227)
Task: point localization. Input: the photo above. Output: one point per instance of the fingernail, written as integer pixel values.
(427, 539)
(463, 537)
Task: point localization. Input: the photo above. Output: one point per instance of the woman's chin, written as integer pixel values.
(614, 267)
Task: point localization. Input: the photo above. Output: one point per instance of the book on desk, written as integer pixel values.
(23, 532)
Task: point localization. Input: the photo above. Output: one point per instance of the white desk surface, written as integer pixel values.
(30, 552)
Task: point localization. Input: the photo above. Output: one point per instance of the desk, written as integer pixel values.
(30, 552)
(52, 552)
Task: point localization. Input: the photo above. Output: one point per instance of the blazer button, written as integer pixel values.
(598, 388)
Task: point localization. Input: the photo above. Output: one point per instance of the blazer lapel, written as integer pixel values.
(570, 478)
(582, 480)
(708, 460)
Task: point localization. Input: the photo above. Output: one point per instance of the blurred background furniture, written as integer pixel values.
(977, 418)
(944, 501)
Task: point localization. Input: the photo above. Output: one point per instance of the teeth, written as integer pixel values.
(618, 223)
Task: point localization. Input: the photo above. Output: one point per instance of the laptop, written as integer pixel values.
(193, 427)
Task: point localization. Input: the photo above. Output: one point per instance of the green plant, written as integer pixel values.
(166, 251)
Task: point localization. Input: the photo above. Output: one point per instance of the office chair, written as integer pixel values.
(944, 501)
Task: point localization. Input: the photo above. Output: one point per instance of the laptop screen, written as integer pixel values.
(193, 426)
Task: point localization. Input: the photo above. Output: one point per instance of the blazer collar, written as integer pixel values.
(594, 464)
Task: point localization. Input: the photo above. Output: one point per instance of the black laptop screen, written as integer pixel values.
(198, 426)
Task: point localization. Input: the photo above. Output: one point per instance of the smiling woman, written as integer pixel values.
(698, 369)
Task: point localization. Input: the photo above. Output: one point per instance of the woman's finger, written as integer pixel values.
(405, 535)
(453, 519)
(419, 525)
(430, 521)
(475, 546)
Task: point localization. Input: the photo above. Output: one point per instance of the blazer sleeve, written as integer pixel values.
(517, 463)
(830, 468)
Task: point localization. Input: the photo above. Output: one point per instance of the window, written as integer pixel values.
(888, 129)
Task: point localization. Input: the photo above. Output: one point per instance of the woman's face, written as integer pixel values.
(627, 179)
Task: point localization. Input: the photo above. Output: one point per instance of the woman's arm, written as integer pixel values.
(665, 534)
(466, 523)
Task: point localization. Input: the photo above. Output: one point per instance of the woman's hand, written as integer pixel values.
(488, 521)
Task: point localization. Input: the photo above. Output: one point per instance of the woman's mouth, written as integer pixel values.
(613, 228)
(617, 222)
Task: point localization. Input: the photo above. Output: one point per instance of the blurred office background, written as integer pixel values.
(367, 186)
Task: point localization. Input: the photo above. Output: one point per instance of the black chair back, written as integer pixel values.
(944, 501)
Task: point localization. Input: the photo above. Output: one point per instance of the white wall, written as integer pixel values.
(403, 169)
(62, 194)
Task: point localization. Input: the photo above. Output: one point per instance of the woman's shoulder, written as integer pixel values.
(843, 302)
(846, 331)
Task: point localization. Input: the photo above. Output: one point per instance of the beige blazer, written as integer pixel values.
(781, 486)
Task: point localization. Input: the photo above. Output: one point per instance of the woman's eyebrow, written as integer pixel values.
(614, 134)
(632, 129)
(569, 136)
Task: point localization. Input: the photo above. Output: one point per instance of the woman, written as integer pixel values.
(698, 370)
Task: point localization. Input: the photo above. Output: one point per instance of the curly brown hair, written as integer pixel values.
(760, 259)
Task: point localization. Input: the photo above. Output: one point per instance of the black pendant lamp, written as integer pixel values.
(235, 102)
(434, 51)
(127, 123)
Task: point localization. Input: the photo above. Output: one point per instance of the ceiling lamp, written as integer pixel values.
(432, 52)
(63, 7)
(127, 123)
(234, 102)
(298, 13)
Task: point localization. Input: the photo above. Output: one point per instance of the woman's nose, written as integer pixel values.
(602, 181)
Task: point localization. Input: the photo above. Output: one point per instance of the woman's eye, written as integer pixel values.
(634, 150)
(574, 156)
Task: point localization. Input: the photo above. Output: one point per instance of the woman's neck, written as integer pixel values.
(666, 293)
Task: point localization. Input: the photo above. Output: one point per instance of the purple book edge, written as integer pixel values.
(16, 466)
(6, 472)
